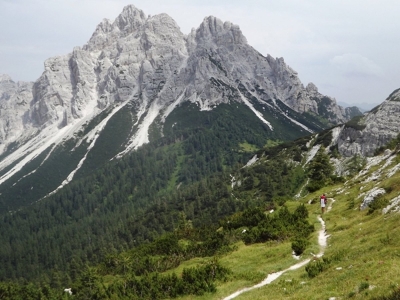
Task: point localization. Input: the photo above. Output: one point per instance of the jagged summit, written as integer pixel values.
(214, 28)
(5, 77)
(147, 68)
(129, 21)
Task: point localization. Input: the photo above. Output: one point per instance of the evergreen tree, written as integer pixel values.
(320, 170)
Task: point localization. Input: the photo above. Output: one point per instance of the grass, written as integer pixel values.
(246, 147)
(364, 253)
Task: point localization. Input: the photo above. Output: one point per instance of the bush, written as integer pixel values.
(395, 295)
(299, 245)
(314, 186)
(379, 202)
(363, 286)
(317, 266)
(314, 268)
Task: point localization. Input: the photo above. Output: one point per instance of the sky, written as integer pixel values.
(350, 49)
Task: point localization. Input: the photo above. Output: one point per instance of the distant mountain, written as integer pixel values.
(364, 107)
(137, 80)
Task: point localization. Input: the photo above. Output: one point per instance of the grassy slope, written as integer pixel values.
(366, 246)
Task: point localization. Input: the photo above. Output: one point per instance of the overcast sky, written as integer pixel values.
(350, 49)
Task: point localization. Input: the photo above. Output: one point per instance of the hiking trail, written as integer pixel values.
(322, 241)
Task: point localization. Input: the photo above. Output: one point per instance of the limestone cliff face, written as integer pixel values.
(149, 63)
(374, 130)
(15, 98)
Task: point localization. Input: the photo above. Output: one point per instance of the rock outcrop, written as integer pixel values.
(15, 98)
(372, 131)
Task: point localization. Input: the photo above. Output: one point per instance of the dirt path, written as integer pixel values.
(322, 241)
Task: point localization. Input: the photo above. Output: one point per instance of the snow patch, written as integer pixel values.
(335, 134)
(298, 123)
(256, 112)
(142, 134)
(251, 161)
(312, 153)
(96, 131)
(171, 107)
(311, 141)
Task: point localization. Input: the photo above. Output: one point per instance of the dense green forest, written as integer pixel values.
(135, 199)
(118, 232)
(139, 273)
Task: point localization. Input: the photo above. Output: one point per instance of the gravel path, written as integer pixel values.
(322, 241)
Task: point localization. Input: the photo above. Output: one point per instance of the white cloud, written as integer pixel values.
(356, 64)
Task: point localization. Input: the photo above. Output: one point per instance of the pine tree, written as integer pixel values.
(320, 171)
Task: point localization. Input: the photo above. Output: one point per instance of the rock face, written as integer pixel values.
(372, 131)
(15, 98)
(148, 64)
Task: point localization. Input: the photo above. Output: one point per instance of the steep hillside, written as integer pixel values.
(253, 247)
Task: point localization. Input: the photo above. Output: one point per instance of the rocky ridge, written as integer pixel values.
(372, 131)
(150, 56)
(149, 65)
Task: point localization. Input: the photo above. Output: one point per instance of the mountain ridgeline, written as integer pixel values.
(146, 148)
(139, 80)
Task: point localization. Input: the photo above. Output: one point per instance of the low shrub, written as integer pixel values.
(299, 245)
(317, 266)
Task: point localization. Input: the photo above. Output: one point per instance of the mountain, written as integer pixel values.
(365, 134)
(203, 153)
(138, 80)
(248, 249)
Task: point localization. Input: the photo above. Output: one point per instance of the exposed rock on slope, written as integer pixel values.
(373, 130)
(15, 98)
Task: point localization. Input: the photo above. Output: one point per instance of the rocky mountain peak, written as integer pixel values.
(311, 88)
(162, 29)
(131, 19)
(5, 77)
(214, 28)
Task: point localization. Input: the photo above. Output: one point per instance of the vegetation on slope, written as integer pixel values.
(140, 273)
(360, 262)
(137, 198)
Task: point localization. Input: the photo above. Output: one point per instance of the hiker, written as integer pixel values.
(323, 203)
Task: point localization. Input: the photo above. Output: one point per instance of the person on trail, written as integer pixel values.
(323, 203)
